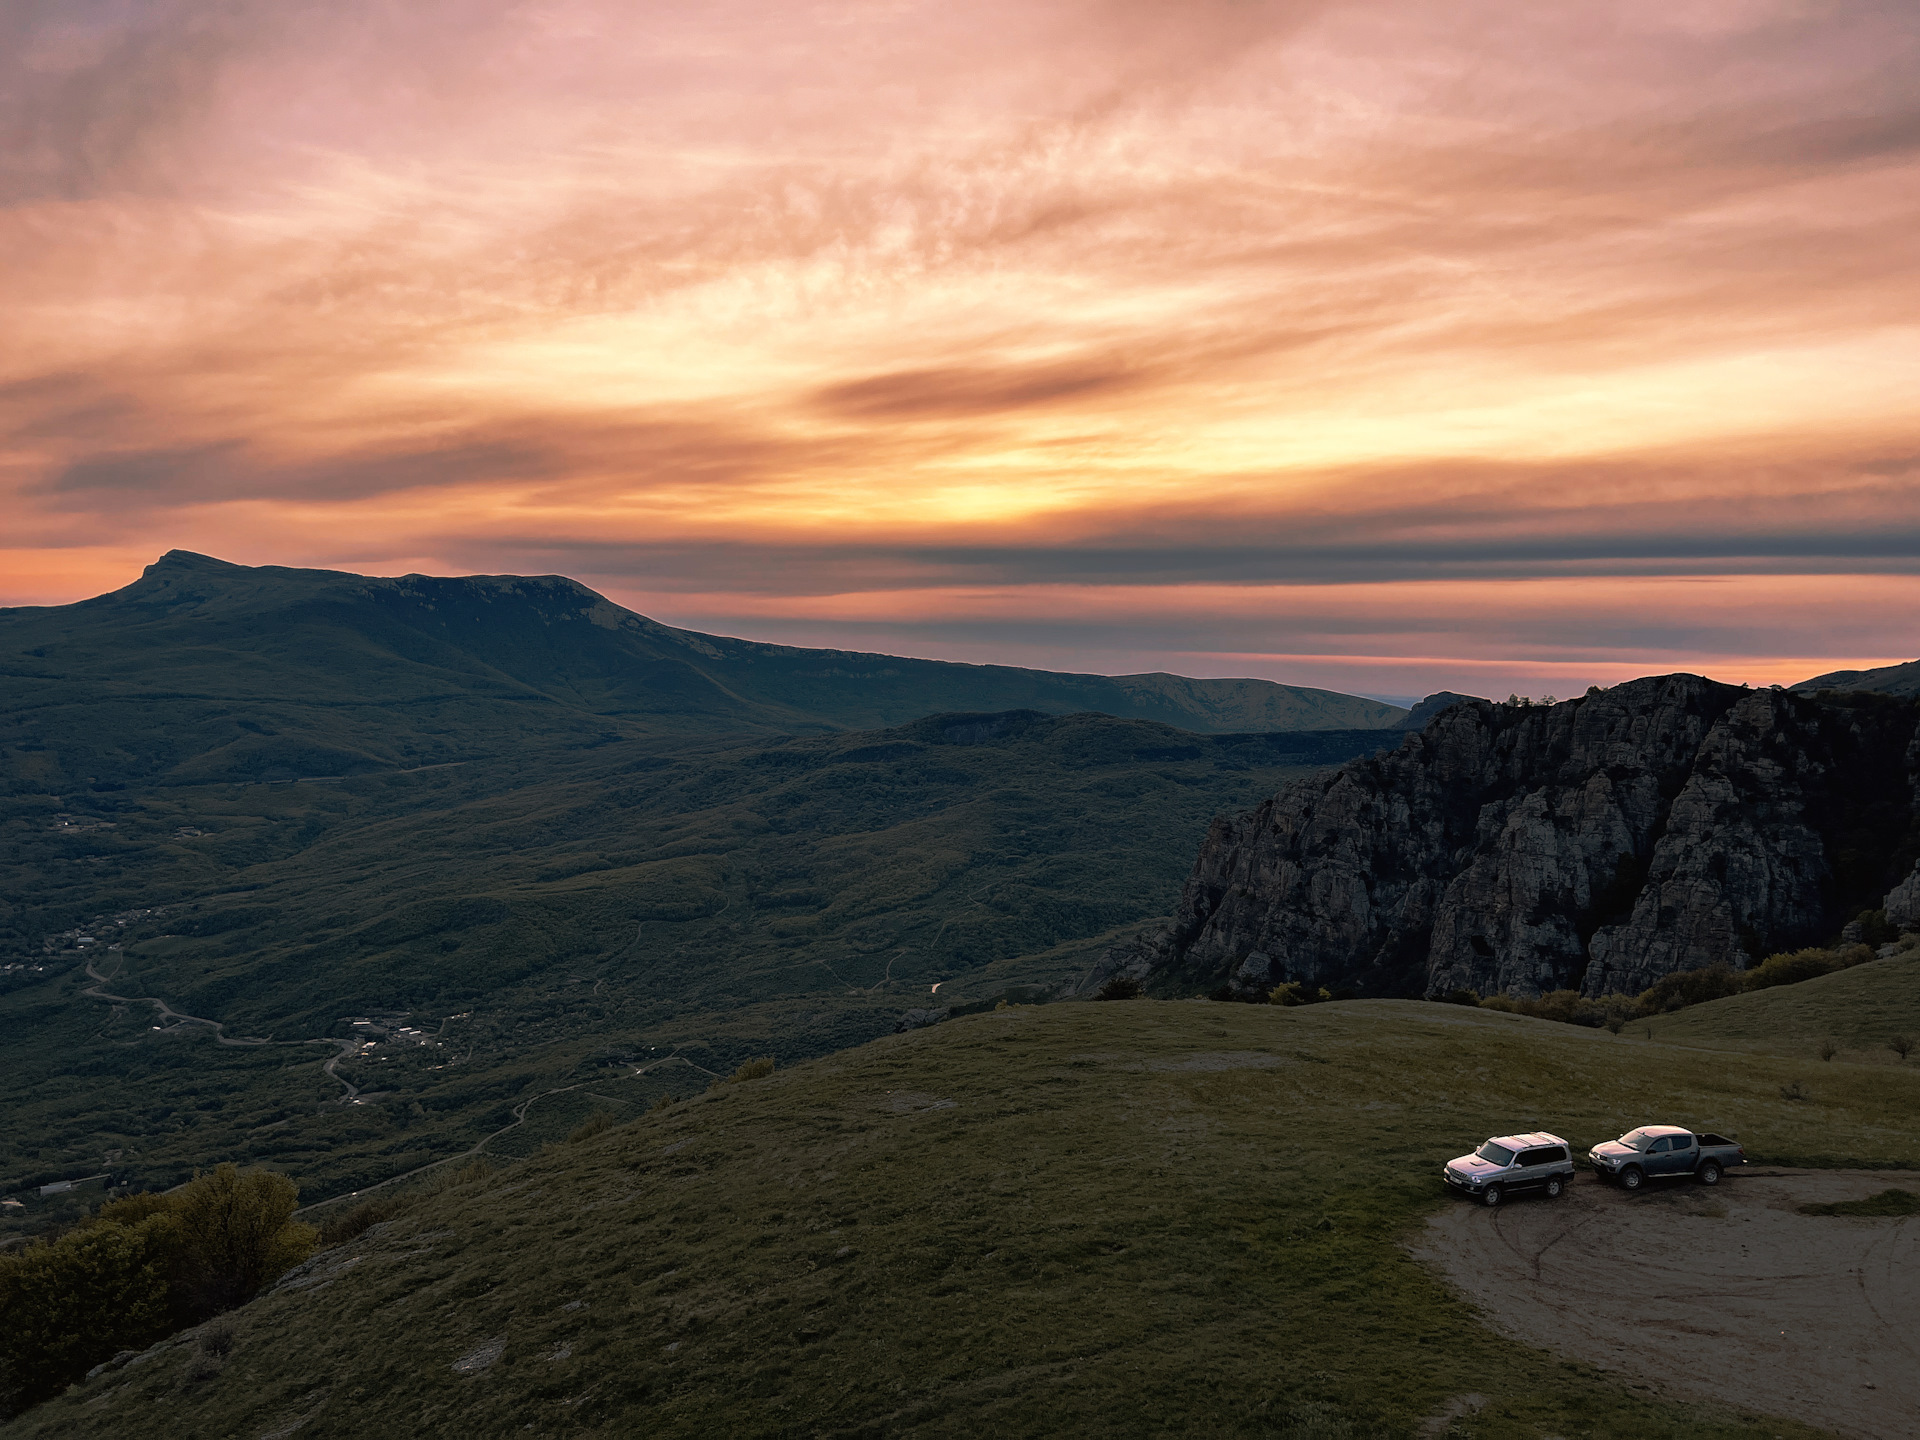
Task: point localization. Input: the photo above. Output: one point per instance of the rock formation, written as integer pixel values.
(1440, 700)
(1667, 824)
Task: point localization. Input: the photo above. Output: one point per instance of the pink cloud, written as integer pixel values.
(1032, 309)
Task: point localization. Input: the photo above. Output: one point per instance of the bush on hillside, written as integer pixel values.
(598, 1123)
(1567, 1006)
(1120, 987)
(1295, 992)
(361, 1218)
(1792, 968)
(236, 1233)
(136, 1270)
(72, 1302)
(1689, 987)
(749, 1070)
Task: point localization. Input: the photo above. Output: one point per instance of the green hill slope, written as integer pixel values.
(202, 670)
(1145, 1218)
(1861, 1008)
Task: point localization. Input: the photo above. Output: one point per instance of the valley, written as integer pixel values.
(557, 895)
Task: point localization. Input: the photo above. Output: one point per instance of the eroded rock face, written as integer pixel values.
(1667, 824)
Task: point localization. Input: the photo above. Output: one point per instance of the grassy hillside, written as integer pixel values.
(1142, 1218)
(1861, 1008)
(558, 918)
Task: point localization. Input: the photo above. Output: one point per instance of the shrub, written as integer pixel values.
(1689, 987)
(236, 1233)
(1790, 968)
(1569, 1007)
(749, 1070)
(598, 1123)
(1461, 997)
(1615, 1010)
(72, 1302)
(138, 1268)
(1295, 992)
(1794, 1090)
(1901, 1045)
(475, 1171)
(209, 1356)
(216, 1339)
(352, 1224)
(1120, 987)
(1829, 1048)
(1561, 1005)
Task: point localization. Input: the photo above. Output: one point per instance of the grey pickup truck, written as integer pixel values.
(1655, 1152)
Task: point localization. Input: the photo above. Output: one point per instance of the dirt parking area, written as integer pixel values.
(1726, 1294)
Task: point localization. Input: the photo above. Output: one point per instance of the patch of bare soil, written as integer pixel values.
(1727, 1293)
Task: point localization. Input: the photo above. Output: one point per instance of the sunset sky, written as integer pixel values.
(1384, 346)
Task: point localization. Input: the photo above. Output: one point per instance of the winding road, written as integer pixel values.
(176, 1018)
(169, 1014)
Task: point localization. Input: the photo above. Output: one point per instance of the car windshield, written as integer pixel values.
(1498, 1154)
(1636, 1139)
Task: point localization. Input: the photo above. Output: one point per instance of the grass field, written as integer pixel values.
(1860, 1008)
(1136, 1218)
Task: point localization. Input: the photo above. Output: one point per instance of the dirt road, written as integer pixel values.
(1727, 1294)
(171, 1016)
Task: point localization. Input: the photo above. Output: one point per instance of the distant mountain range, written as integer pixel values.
(1887, 680)
(203, 670)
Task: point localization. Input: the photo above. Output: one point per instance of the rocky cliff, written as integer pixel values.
(1668, 824)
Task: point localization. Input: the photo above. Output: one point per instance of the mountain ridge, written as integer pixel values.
(1885, 680)
(204, 670)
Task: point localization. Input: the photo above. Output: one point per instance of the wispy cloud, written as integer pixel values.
(751, 311)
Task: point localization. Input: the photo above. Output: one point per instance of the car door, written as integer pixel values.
(1683, 1153)
(1659, 1157)
(1526, 1170)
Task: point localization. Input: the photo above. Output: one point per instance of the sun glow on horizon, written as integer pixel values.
(1076, 310)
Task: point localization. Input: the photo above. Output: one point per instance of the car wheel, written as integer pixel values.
(1554, 1186)
(1492, 1197)
(1631, 1177)
(1710, 1173)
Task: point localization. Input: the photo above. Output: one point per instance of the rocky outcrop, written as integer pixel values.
(1668, 824)
(1903, 902)
(1421, 713)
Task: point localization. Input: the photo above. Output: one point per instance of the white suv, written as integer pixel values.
(1512, 1164)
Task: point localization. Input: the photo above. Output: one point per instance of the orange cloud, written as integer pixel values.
(805, 315)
